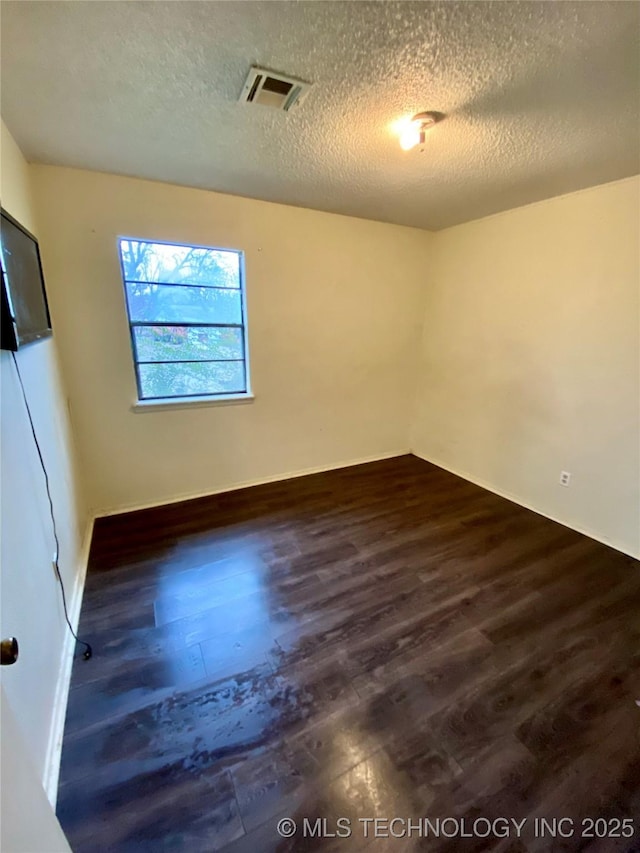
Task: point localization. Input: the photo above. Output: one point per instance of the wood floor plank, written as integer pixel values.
(376, 641)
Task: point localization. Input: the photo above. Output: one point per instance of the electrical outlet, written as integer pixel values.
(565, 478)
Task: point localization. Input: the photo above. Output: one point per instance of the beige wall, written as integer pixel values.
(530, 358)
(334, 308)
(30, 597)
(529, 363)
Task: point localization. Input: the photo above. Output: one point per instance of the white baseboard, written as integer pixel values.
(517, 500)
(56, 732)
(233, 487)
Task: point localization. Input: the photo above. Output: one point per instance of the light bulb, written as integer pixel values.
(410, 137)
(412, 131)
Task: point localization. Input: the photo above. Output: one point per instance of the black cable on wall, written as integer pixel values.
(88, 651)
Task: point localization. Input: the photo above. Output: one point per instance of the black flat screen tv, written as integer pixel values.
(25, 312)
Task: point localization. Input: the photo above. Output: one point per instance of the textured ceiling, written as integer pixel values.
(540, 98)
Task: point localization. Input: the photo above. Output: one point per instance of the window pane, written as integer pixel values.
(186, 343)
(175, 305)
(143, 261)
(188, 378)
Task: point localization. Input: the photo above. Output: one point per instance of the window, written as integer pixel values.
(187, 320)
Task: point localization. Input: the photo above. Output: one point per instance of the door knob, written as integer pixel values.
(9, 651)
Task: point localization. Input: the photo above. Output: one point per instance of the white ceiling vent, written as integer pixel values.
(273, 90)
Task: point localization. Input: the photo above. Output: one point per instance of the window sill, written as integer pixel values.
(190, 402)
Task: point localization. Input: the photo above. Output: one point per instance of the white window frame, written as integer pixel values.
(166, 403)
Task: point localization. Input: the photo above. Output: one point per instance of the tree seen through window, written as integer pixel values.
(186, 314)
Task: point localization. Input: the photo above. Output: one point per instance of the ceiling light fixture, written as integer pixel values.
(413, 132)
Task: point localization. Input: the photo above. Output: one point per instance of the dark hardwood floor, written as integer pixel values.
(382, 641)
